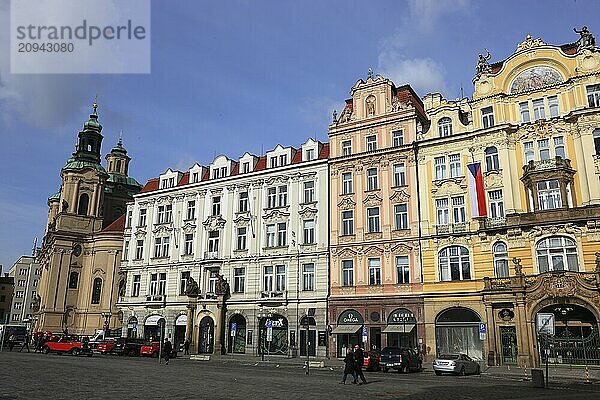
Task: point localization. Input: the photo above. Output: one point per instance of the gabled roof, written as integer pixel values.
(118, 225)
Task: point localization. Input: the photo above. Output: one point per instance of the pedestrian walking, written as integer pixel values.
(359, 356)
(349, 367)
(167, 349)
(186, 347)
(25, 343)
(11, 342)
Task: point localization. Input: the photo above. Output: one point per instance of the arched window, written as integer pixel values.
(82, 206)
(73, 280)
(557, 253)
(597, 141)
(500, 260)
(492, 162)
(445, 126)
(454, 263)
(118, 165)
(96, 291)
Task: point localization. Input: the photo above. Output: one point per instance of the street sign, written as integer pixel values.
(482, 336)
(134, 325)
(233, 328)
(482, 327)
(545, 323)
(269, 330)
(364, 334)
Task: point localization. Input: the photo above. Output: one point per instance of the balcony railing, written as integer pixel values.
(550, 163)
(211, 255)
(452, 228)
(494, 222)
(155, 298)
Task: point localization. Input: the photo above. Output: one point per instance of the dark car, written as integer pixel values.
(127, 347)
(401, 359)
(372, 360)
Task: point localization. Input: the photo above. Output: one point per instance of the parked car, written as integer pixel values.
(13, 335)
(127, 346)
(458, 364)
(152, 350)
(401, 359)
(105, 347)
(67, 344)
(372, 360)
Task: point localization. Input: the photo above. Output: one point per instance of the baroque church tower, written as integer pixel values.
(82, 246)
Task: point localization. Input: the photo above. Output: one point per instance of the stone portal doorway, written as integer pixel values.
(206, 335)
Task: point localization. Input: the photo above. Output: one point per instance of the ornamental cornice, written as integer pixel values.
(276, 215)
(347, 203)
(345, 253)
(188, 228)
(402, 248)
(140, 234)
(400, 196)
(372, 200)
(214, 222)
(542, 129)
(308, 212)
(243, 219)
(281, 179)
(493, 179)
(373, 251)
(163, 229)
(569, 229)
(164, 200)
(449, 186)
(452, 240)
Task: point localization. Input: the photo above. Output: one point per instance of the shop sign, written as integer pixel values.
(401, 316)
(350, 317)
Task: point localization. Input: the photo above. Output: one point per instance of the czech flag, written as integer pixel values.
(476, 191)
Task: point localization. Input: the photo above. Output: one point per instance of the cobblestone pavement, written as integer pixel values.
(37, 376)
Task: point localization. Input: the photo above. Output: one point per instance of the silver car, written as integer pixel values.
(458, 364)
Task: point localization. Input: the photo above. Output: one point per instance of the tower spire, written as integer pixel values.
(95, 105)
(120, 142)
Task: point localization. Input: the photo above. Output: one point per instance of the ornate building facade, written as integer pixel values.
(81, 250)
(510, 210)
(375, 272)
(233, 256)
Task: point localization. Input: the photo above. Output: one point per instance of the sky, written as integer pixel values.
(234, 76)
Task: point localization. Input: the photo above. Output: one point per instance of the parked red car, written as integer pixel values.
(67, 344)
(372, 359)
(105, 347)
(150, 349)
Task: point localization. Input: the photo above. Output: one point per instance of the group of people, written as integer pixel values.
(353, 364)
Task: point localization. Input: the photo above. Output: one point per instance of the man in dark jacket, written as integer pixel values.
(167, 349)
(349, 366)
(359, 356)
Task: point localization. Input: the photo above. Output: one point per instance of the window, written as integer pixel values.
(402, 269)
(18, 306)
(213, 241)
(215, 173)
(455, 167)
(559, 147)
(139, 250)
(16, 317)
(492, 163)
(553, 106)
(223, 172)
(129, 218)
(271, 235)
(243, 202)
(346, 148)
(216, 205)
(280, 278)
(310, 154)
(273, 162)
(239, 280)
(309, 191)
(347, 222)
(191, 209)
(400, 175)
(35, 282)
(308, 277)
(454, 264)
(496, 204)
(241, 238)
(245, 167)
(549, 195)
(153, 284)
(440, 168)
(20, 294)
(441, 206)
(372, 179)
(544, 149)
(73, 279)
(189, 244)
(397, 138)
(126, 251)
(213, 278)
(539, 111)
(281, 234)
(162, 283)
(161, 247)
(309, 231)
(401, 216)
(593, 95)
(23, 271)
(165, 214)
(373, 219)
(282, 196)
(524, 109)
(183, 280)
(271, 197)
(374, 271)
(268, 278)
(283, 159)
(195, 177)
(347, 179)
(500, 260)
(21, 282)
(445, 127)
(528, 150)
(458, 209)
(557, 253)
(596, 135)
(347, 273)
(142, 219)
(487, 117)
(371, 143)
(96, 291)
(135, 289)
(82, 207)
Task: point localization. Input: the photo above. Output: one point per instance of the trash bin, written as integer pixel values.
(537, 377)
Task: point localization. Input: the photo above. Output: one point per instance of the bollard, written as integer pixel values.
(525, 376)
(587, 375)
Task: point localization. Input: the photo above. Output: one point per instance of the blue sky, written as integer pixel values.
(235, 76)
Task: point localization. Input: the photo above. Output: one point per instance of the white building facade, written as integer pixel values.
(259, 222)
(26, 273)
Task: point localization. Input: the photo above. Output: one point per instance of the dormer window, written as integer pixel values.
(245, 167)
(215, 173)
(310, 154)
(195, 177)
(273, 162)
(283, 159)
(223, 171)
(445, 127)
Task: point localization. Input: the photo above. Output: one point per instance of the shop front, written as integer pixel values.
(132, 324)
(179, 332)
(154, 327)
(237, 334)
(401, 329)
(348, 331)
(273, 333)
(457, 331)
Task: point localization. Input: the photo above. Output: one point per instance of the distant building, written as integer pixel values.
(7, 284)
(26, 274)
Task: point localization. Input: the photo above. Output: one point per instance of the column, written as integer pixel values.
(189, 326)
(219, 331)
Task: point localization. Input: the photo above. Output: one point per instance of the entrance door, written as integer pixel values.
(207, 334)
(312, 342)
(375, 337)
(508, 337)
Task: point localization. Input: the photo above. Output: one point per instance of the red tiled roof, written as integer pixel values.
(235, 169)
(570, 48)
(185, 179)
(150, 186)
(324, 151)
(117, 225)
(261, 164)
(297, 157)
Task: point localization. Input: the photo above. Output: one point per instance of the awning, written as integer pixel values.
(153, 320)
(398, 328)
(181, 320)
(346, 329)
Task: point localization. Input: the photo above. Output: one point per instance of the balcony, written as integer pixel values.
(491, 223)
(156, 301)
(211, 255)
(452, 228)
(273, 298)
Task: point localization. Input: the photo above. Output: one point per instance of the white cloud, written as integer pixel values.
(318, 112)
(425, 14)
(422, 74)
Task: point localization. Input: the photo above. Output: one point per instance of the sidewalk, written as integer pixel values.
(272, 361)
(556, 373)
